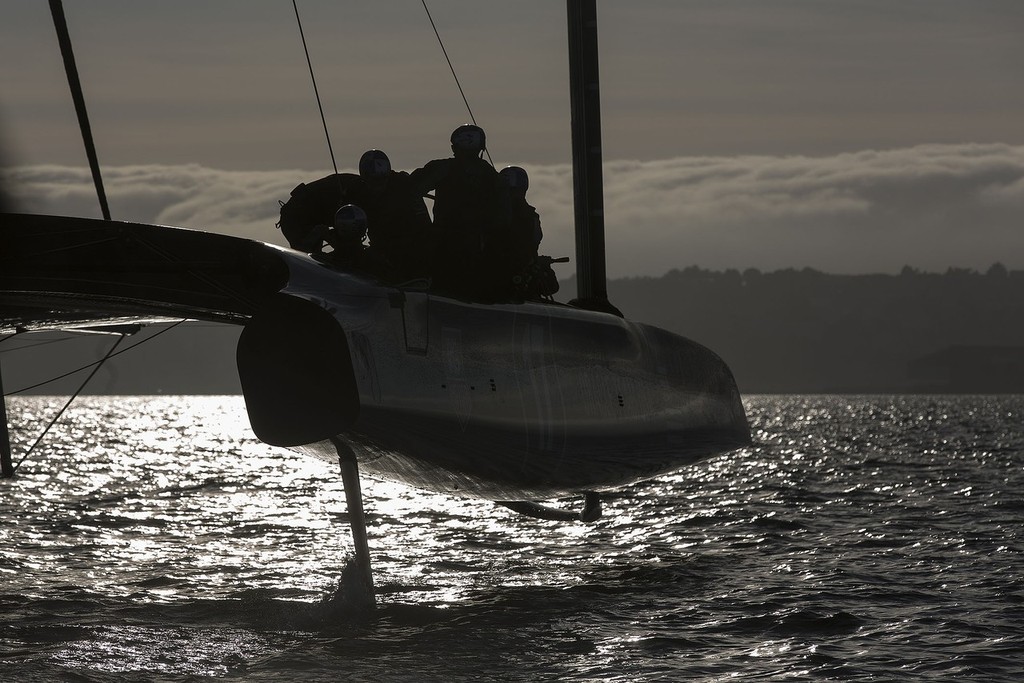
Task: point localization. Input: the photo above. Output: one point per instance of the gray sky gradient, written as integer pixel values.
(850, 136)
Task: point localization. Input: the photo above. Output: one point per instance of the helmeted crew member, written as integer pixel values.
(525, 234)
(470, 210)
(530, 275)
(347, 237)
(399, 224)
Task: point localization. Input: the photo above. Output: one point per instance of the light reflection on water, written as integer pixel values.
(860, 537)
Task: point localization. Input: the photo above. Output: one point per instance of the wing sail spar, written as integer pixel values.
(59, 271)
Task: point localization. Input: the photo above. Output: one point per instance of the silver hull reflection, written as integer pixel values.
(513, 401)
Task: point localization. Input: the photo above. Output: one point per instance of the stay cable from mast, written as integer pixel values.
(56, 417)
(454, 75)
(97, 363)
(33, 345)
(316, 92)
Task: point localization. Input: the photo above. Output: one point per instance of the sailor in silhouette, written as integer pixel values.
(470, 211)
(528, 275)
(310, 210)
(398, 222)
(346, 238)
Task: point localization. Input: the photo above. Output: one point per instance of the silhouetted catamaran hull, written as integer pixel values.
(500, 401)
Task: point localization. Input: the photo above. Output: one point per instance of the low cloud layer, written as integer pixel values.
(929, 206)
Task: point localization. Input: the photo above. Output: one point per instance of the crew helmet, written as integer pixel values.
(374, 164)
(516, 178)
(469, 138)
(350, 224)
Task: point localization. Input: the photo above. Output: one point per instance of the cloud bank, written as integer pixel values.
(928, 206)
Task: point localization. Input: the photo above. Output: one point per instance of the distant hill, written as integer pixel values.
(788, 331)
(806, 331)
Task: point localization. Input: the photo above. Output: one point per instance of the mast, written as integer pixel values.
(588, 181)
(64, 38)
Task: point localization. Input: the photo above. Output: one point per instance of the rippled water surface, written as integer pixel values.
(861, 538)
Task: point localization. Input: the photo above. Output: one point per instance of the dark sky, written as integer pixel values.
(850, 136)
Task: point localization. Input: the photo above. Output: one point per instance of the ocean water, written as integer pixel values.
(861, 538)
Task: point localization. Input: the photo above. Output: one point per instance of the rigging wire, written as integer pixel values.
(316, 92)
(454, 75)
(97, 363)
(32, 345)
(212, 282)
(57, 250)
(110, 353)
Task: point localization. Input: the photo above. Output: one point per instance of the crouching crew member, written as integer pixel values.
(309, 212)
(399, 226)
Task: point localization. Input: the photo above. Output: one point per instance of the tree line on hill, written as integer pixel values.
(807, 331)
